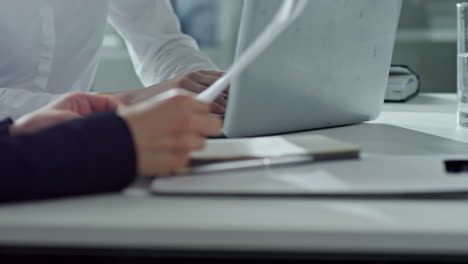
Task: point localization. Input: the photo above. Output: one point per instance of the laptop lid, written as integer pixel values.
(330, 68)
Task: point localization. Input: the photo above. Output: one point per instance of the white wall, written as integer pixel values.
(427, 42)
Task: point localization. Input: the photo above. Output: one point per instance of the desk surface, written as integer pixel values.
(429, 113)
(253, 224)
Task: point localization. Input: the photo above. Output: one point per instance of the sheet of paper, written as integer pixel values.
(287, 13)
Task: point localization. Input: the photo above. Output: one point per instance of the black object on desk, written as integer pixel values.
(403, 84)
(456, 166)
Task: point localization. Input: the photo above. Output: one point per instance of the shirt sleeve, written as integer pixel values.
(158, 49)
(85, 156)
(17, 102)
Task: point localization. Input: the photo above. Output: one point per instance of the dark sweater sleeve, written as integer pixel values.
(85, 156)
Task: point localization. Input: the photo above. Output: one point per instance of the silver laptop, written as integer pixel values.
(330, 68)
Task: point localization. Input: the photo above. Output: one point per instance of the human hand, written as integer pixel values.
(167, 128)
(70, 106)
(195, 82)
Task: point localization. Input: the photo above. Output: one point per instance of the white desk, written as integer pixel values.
(291, 226)
(429, 113)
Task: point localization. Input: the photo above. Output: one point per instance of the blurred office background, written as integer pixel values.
(426, 41)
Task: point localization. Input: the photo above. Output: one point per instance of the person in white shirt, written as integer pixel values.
(51, 47)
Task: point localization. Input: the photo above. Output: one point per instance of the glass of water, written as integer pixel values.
(462, 64)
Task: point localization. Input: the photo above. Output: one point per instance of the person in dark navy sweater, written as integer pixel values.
(86, 144)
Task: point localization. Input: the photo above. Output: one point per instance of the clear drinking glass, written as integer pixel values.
(462, 64)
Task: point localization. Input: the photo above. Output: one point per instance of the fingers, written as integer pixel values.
(221, 100)
(184, 142)
(193, 115)
(101, 103)
(211, 72)
(218, 107)
(85, 104)
(162, 163)
(204, 122)
(183, 99)
(204, 79)
(166, 130)
(201, 123)
(194, 86)
(173, 93)
(210, 125)
(199, 81)
(201, 107)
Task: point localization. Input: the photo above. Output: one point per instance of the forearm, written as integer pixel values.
(131, 97)
(174, 58)
(158, 48)
(80, 157)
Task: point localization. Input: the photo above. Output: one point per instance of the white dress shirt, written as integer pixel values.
(50, 47)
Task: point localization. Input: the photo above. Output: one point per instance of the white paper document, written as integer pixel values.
(289, 11)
